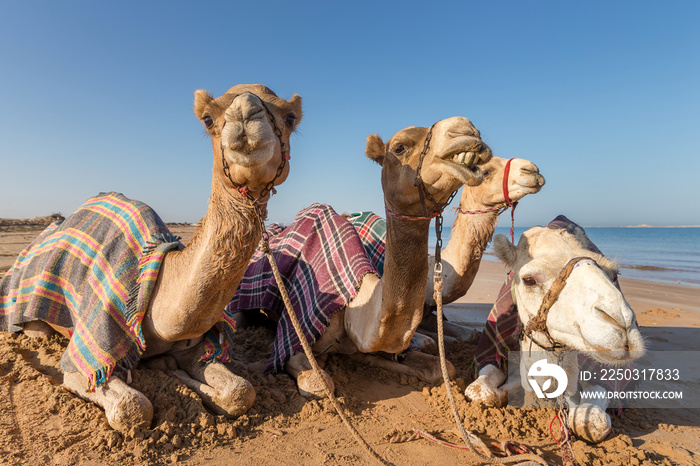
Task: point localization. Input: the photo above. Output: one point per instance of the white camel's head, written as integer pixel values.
(523, 178)
(590, 314)
(448, 154)
(248, 125)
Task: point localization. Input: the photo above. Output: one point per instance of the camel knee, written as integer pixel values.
(124, 406)
(589, 422)
(37, 329)
(234, 395)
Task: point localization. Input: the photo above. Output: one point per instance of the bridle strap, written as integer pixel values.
(509, 203)
(269, 187)
(539, 322)
(410, 217)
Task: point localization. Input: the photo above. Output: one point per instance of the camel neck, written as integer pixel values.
(405, 274)
(197, 283)
(462, 256)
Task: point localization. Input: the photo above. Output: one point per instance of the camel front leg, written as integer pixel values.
(221, 390)
(453, 332)
(425, 367)
(487, 388)
(124, 406)
(308, 383)
(589, 421)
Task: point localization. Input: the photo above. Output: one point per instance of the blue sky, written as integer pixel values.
(603, 96)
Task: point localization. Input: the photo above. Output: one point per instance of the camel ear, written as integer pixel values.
(295, 102)
(504, 250)
(375, 148)
(201, 100)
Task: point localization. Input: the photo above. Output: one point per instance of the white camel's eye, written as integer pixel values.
(208, 121)
(529, 281)
(400, 149)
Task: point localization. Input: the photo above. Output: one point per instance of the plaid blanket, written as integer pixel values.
(502, 332)
(322, 261)
(92, 274)
(372, 231)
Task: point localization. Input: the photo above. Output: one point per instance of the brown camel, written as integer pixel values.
(385, 313)
(250, 129)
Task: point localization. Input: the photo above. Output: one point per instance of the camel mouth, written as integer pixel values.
(463, 165)
(530, 186)
(250, 156)
(632, 349)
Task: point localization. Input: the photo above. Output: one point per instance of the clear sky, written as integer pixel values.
(604, 96)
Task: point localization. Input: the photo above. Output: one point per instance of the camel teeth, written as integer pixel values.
(459, 158)
(471, 157)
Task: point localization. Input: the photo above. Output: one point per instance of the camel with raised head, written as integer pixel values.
(589, 314)
(506, 181)
(250, 129)
(386, 311)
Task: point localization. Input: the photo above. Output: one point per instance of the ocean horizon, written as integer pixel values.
(662, 254)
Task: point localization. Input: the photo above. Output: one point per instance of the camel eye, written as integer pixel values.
(290, 120)
(400, 149)
(529, 281)
(208, 121)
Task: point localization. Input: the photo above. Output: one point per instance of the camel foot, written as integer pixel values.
(310, 384)
(589, 422)
(124, 406)
(221, 390)
(480, 392)
(37, 329)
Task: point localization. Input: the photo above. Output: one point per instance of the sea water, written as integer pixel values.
(664, 255)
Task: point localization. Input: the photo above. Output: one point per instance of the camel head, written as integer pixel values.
(523, 178)
(451, 151)
(591, 313)
(248, 126)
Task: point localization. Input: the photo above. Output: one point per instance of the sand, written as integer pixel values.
(42, 423)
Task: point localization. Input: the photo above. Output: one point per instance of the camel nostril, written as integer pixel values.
(608, 318)
(255, 113)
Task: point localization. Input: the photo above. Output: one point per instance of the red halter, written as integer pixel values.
(509, 203)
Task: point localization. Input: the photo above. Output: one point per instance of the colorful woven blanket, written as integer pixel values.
(322, 261)
(92, 274)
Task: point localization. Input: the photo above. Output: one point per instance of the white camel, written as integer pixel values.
(589, 314)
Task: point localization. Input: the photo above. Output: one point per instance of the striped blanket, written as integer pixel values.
(92, 274)
(502, 332)
(322, 261)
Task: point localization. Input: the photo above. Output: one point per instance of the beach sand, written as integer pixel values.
(41, 423)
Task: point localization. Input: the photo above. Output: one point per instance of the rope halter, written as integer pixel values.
(269, 187)
(539, 322)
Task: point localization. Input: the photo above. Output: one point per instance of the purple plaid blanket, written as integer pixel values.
(322, 261)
